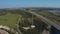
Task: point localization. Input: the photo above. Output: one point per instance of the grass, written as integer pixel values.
(9, 19)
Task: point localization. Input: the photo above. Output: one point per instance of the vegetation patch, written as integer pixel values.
(9, 19)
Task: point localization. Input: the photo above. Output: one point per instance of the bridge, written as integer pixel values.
(54, 28)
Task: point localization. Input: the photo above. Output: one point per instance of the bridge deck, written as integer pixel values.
(46, 20)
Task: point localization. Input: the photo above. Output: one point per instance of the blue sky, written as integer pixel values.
(29, 3)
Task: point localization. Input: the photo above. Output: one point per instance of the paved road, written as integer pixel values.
(46, 20)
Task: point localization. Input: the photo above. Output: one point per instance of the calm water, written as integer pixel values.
(54, 12)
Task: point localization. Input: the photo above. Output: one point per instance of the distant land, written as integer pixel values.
(38, 8)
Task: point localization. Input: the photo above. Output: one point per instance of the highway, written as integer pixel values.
(18, 27)
(44, 19)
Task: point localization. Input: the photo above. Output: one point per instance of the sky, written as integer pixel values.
(29, 3)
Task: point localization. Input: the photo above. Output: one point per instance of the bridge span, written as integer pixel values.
(55, 28)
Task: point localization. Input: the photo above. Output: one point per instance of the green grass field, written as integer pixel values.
(9, 19)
